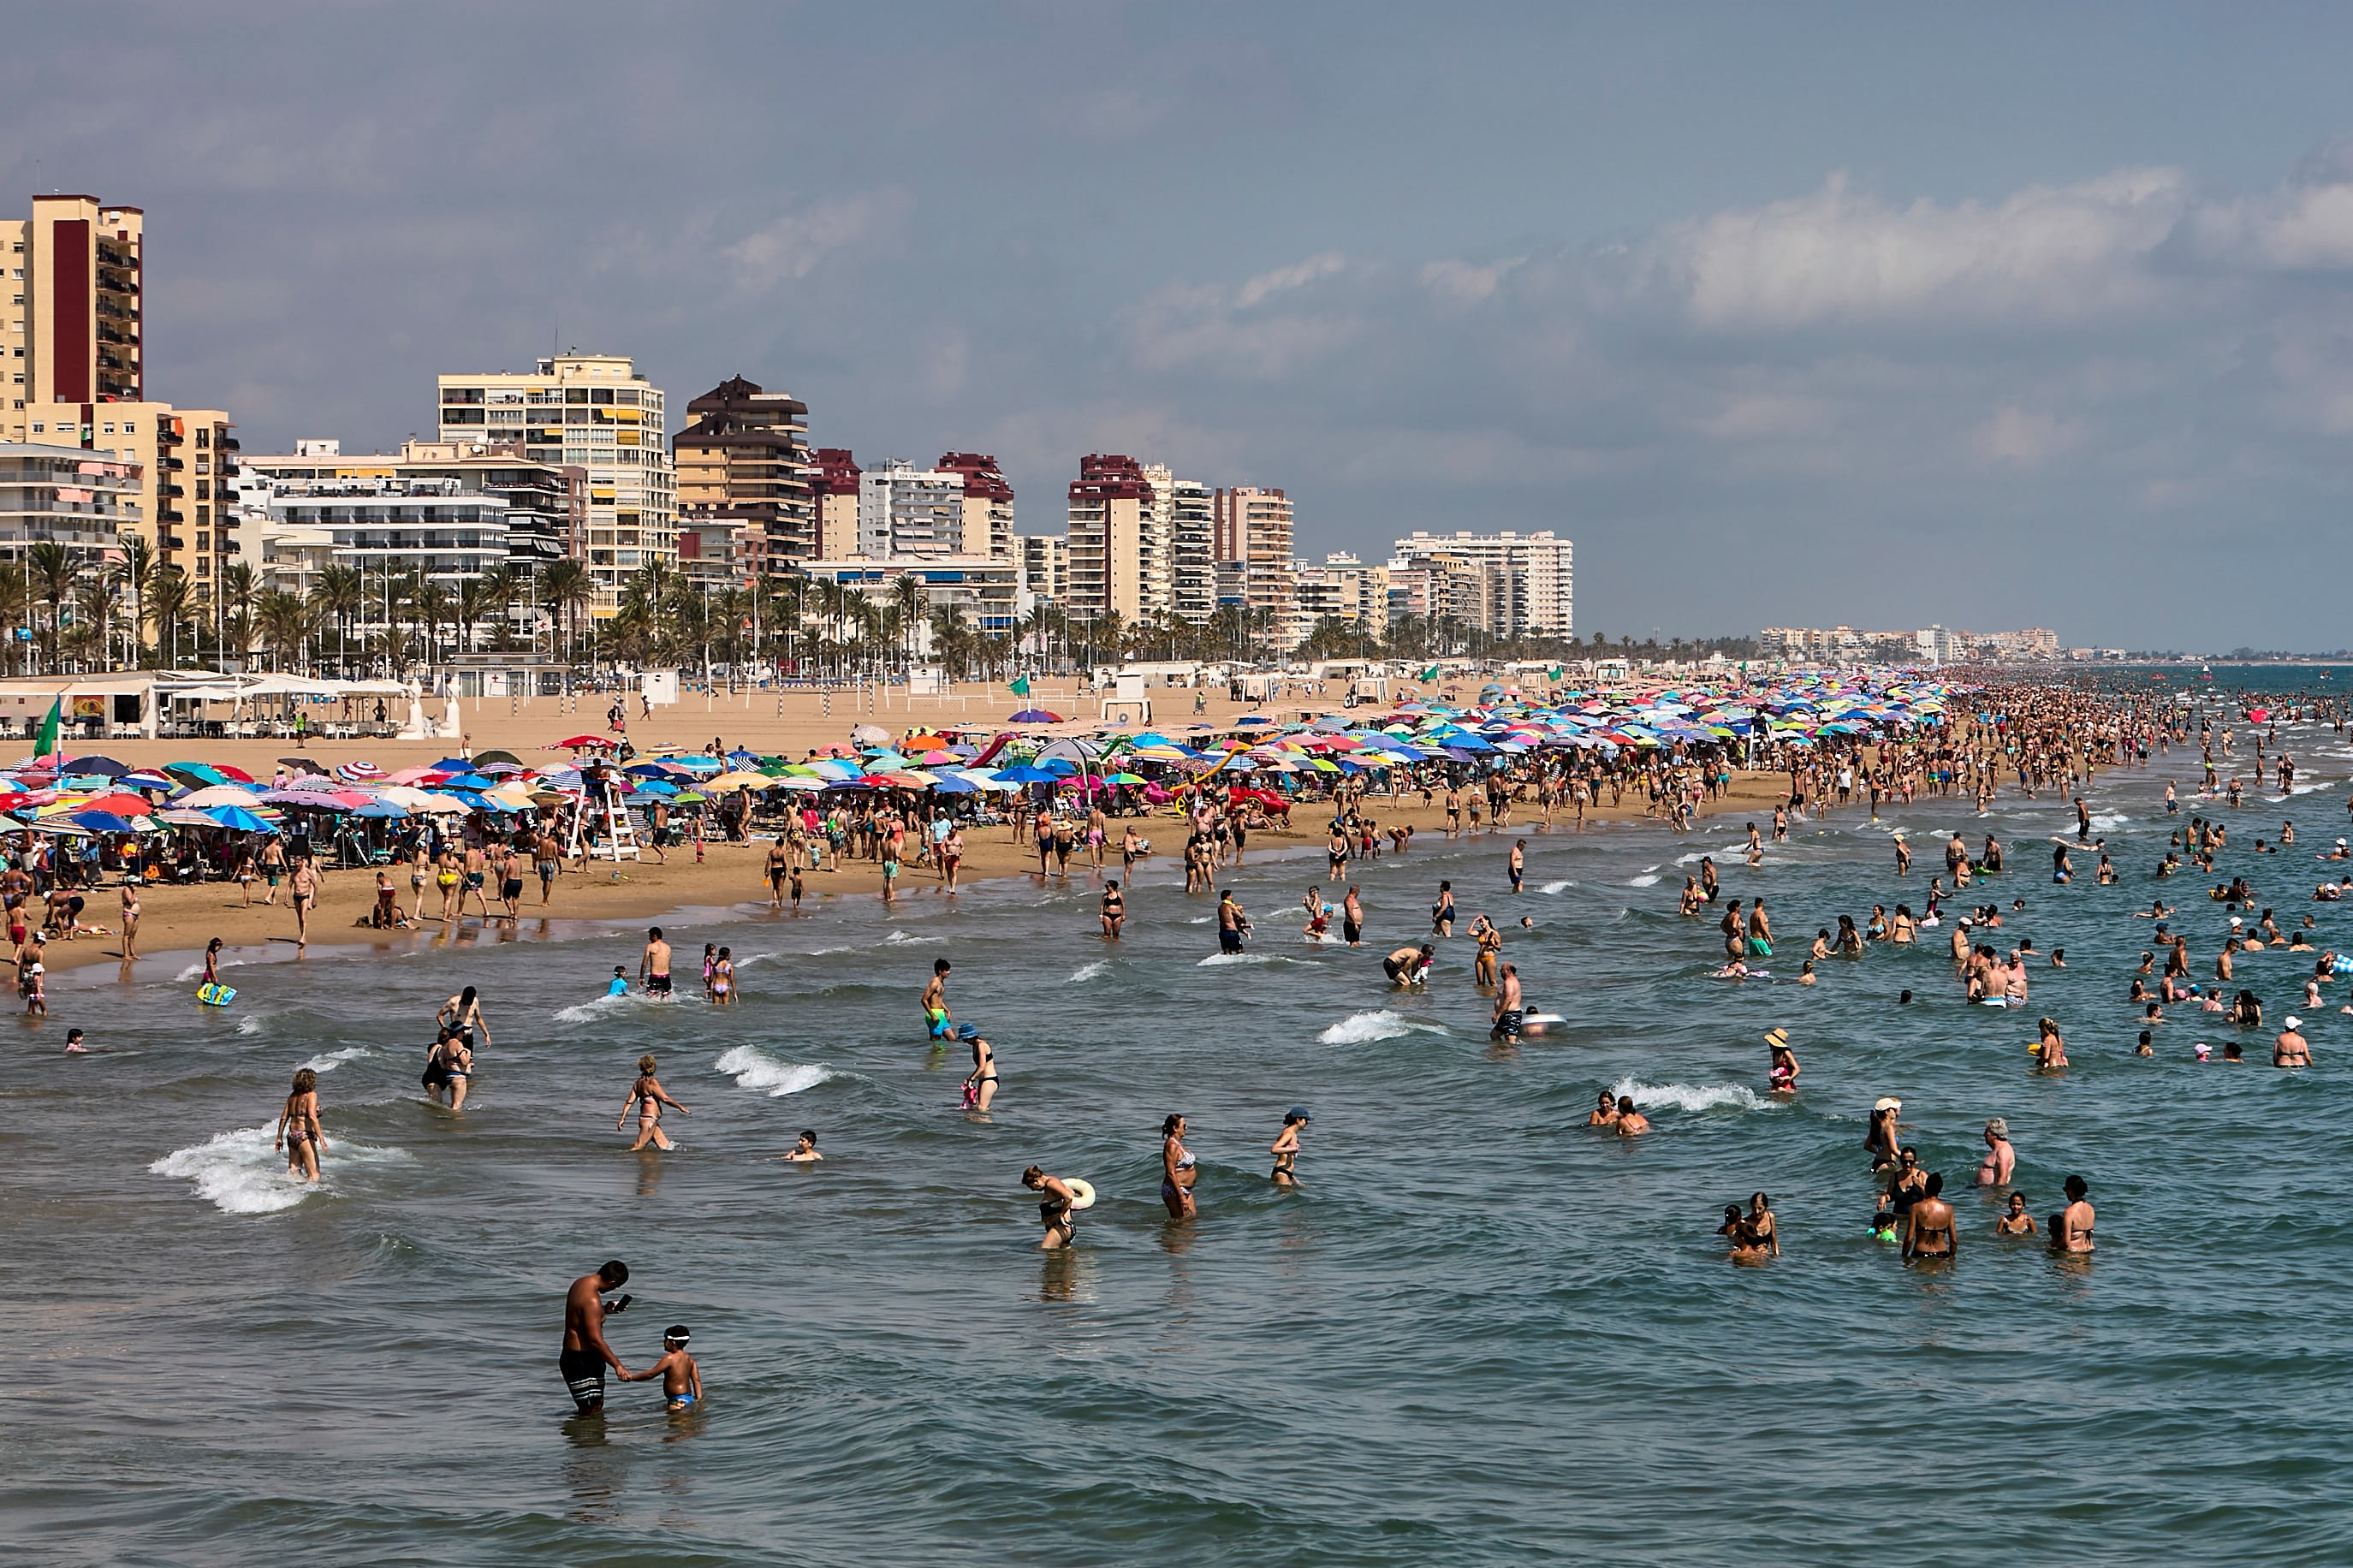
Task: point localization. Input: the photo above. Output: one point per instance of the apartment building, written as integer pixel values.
(1118, 558)
(546, 505)
(63, 495)
(1044, 563)
(1340, 587)
(387, 526)
(987, 591)
(741, 470)
(833, 476)
(1251, 533)
(987, 504)
(592, 411)
(1525, 583)
(73, 331)
(904, 512)
(1191, 507)
(188, 464)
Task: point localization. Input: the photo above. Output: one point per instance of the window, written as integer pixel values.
(203, 541)
(600, 395)
(110, 426)
(204, 437)
(130, 427)
(37, 427)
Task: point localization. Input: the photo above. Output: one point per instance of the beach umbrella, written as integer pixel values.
(108, 822)
(1023, 773)
(303, 765)
(455, 766)
(182, 818)
(1125, 779)
(119, 804)
(949, 784)
(358, 771)
(870, 735)
(146, 778)
(218, 794)
(801, 783)
(739, 780)
(701, 764)
(582, 742)
(499, 757)
(102, 767)
(1035, 716)
(195, 776)
(743, 759)
(239, 819)
(378, 809)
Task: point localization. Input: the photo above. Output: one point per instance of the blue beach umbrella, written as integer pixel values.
(240, 819)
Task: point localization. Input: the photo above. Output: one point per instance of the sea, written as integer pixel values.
(1479, 1332)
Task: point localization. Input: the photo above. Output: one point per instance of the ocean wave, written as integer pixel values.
(1091, 971)
(331, 1060)
(239, 1172)
(899, 936)
(1643, 881)
(197, 971)
(1220, 958)
(249, 1024)
(588, 1012)
(1556, 888)
(1361, 1029)
(753, 1068)
(1693, 859)
(2108, 821)
(1690, 1097)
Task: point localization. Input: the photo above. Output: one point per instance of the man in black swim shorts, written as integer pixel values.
(585, 1355)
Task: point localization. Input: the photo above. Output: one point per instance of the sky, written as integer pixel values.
(1989, 316)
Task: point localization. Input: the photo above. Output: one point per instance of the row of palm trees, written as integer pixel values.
(353, 621)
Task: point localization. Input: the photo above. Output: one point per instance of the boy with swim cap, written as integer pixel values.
(681, 1379)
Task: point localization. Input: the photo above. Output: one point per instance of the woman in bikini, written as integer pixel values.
(723, 978)
(1604, 1114)
(1054, 1207)
(1285, 1148)
(648, 1096)
(1176, 1170)
(298, 1127)
(2017, 1222)
(450, 1066)
(980, 1083)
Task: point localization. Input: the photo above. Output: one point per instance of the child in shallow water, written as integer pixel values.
(681, 1379)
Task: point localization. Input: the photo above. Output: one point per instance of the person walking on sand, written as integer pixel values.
(648, 1096)
(305, 886)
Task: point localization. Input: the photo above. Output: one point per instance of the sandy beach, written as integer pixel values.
(183, 919)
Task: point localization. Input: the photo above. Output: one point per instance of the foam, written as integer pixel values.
(1361, 1029)
(331, 1060)
(1221, 958)
(753, 1068)
(588, 1012)
(1690, 1097)
(1645, 880)
(1090, 971)
(2108, 821)
(1556, 888)
(239, 1172)
(249, 1024)
(197, 971)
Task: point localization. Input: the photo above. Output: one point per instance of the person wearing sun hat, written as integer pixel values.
(2292, 1050)
(1783, 1068)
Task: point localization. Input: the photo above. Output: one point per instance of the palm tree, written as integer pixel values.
(502, 585)
(431, 601)
(283, 620)
(568, 588)
(52, 572)
(473, 602)
(339, 592)
(137, 575)
(907, 598)
(169, 599)
(96, 601)
(237, 586)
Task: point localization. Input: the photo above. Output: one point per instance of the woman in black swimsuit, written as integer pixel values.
(1054, 1208)
(980, 1084)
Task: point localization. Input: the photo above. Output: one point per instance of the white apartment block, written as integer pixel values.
(1525, 583)
(904, 512)
(595, 412)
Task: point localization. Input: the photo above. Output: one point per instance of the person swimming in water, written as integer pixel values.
(2016, 1221)
(1604, 1114)
(1931, 1232)
(1285, 1147)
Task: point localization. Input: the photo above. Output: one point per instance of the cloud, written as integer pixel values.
(1255, 330)
(1465, 283)
(793, 245)
(2024, 438)
(1839, 256)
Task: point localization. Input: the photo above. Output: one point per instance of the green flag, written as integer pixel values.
(1555, 675)
(1020, 687)
(1430, 674)
(47, 743)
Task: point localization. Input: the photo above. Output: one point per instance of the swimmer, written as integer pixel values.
(1285, 1147)
(462, 1015)
(1631, 1123)
(1491, 951)
(2071, 1227)
(585, 1355)
(1510, 1008)
(2052, 1048)
(1177, 1170)
(653, 964)
(804, 1150)
(1604, 1114)
(648, 1096)
(723, 978)
(1233, 925)
(73, 1041)
(1762, 1231)
(681, 1380)
(449, 1067)
(2017, 1222)
(1055, 1211)
(620, 983)
(2000, 1158)
(1781, 1076)
(1930, 1233)
(935, 1001)
(1352, 918)
(2291, 1049)
(298, 1133)
(1409, 966)
(980, 1083)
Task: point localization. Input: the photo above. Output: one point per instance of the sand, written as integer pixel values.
(183, 919)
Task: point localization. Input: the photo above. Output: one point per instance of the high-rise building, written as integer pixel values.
(546, 506)
(1114, 563)
(187, 459)
(742, 474)
(904, 512)
(73, 343)
(386, 526)
(64, 495)
(833, 500)
(1524, 582)
(1340, 587)
(74, 319)
(1192, 552)
(1044, 559)
(1251, 530)
(595, 412)
(987, 504)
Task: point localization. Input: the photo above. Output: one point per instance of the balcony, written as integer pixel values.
(175, 464)
(169, 490)
(226, 523)
(230, 444)
(169, 515)
(173, 541)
